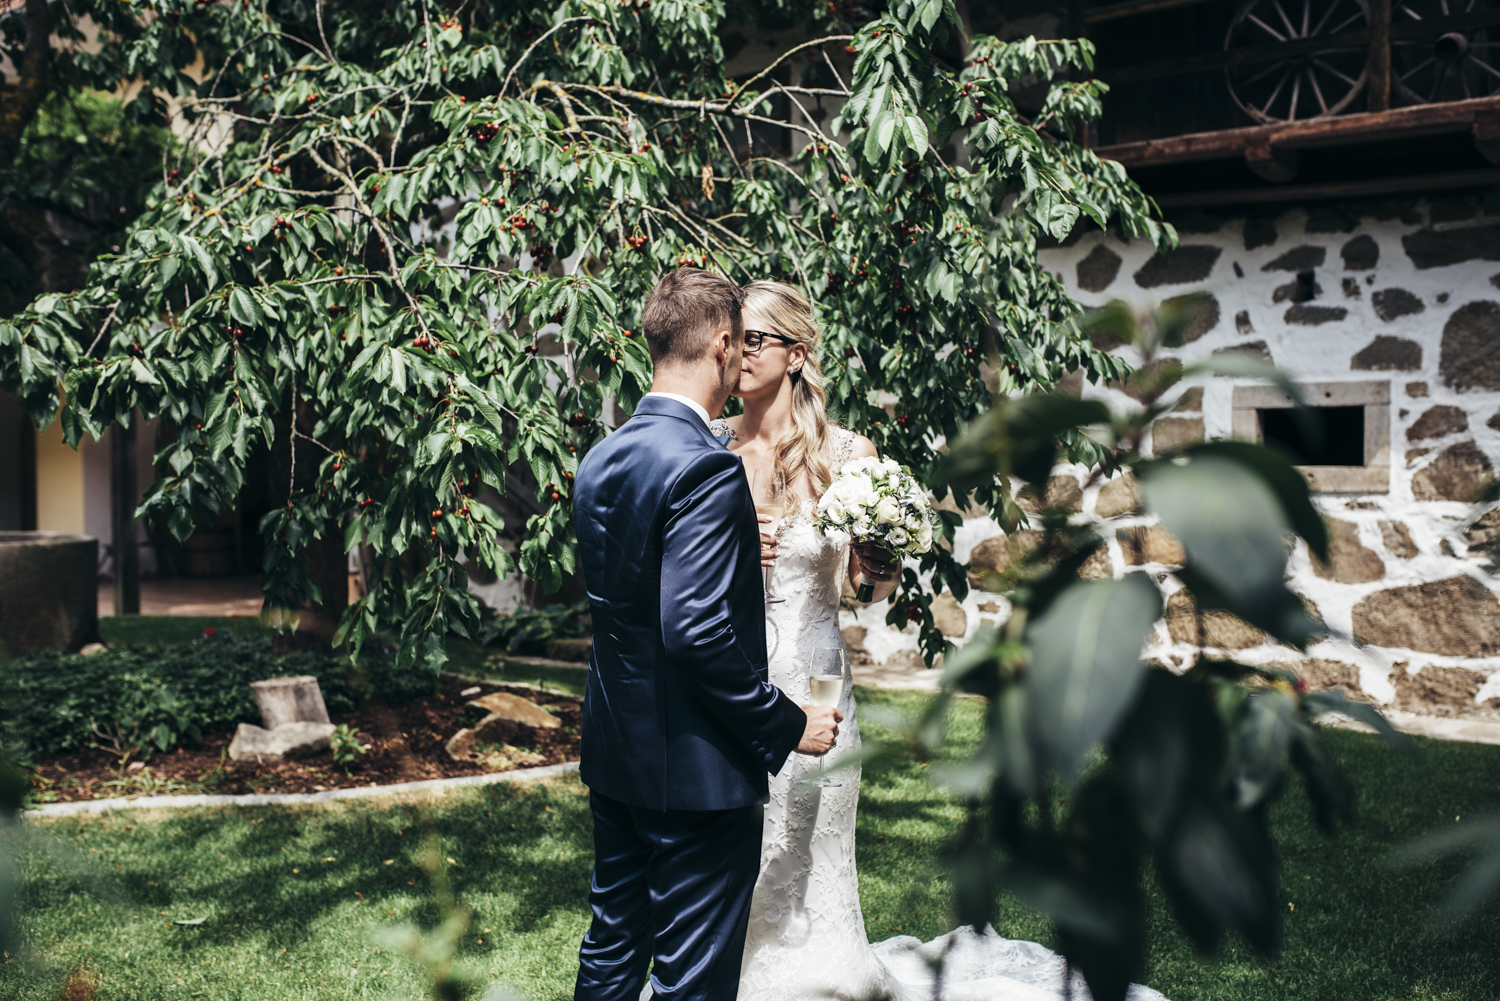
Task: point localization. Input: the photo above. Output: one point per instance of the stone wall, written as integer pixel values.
(1396, 307)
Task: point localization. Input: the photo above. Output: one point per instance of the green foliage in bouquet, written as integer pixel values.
(1190, 762)
(354, 257)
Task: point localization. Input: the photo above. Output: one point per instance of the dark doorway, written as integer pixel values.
(1337, 438)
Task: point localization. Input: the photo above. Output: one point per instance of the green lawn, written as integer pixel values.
(293, 898)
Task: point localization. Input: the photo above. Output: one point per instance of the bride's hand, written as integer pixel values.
(767, 543)
(874, 562)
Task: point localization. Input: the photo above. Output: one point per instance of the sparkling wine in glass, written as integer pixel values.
(826, 669)
(768, 501)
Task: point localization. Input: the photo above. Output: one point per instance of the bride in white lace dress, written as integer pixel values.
(806, 936)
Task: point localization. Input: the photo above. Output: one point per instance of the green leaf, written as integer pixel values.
(244, 308)
(1262, 740)
(1085, 665)
(1289, 486)
(1232, 528)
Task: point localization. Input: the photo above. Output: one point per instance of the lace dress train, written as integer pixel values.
(806, 937)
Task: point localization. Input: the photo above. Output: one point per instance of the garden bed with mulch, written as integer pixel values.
(407, 743)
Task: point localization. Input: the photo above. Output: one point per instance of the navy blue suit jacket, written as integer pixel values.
(678, 714)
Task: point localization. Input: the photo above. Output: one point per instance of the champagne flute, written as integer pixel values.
(768, 501)
(827, 668)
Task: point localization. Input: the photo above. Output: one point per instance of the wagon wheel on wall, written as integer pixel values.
(1287, 61)
(1450, 65)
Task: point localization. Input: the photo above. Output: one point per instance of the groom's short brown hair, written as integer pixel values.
(684, 310)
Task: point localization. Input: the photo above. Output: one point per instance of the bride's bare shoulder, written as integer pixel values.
(846, 445)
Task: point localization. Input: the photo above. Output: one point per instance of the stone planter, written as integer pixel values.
(49, 591)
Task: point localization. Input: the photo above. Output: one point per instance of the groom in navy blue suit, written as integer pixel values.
(680, 726)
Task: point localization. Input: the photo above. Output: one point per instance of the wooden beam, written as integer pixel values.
(1132, 8)
(1378, 89)
(125, 558)
(1275, 165)
(1487, 135)
(1340, 130)
(1333, 189)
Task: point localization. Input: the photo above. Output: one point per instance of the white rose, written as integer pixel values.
(836, 511)
(897, 537)
(887, 511)
(862, 526)
(924, 537)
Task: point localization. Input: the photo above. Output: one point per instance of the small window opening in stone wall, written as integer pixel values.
(1324, 436)
(1348, 450)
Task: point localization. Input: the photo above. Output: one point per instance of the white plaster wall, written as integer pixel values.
(1239, 281)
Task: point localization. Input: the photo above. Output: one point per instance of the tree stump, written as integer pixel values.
(289, 700)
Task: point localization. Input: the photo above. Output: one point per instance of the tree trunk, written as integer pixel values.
(19, 107)
(328, 565)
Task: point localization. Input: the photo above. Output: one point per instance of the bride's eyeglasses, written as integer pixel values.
(756, 339)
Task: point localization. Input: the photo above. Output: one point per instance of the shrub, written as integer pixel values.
(55, 700)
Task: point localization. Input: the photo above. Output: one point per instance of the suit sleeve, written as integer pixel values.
(701, 544)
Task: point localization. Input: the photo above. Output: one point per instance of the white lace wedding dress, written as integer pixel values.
(806, 938)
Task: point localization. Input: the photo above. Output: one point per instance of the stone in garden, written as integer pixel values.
(1459, 473)
(1483, 536)
(1303, 258)
(460, 747)
(1150, 544)
(290, 740)
(949, 616)
(1187, 263)
(1117, 496)
(1397, 539)
(1445, 691)
(1220, 629)
(1171, 434)
(1470, 356)
(1453, 617)
(1360, 253)
(1391, 303)
(1205, 317)
(1098, 270)
(470, 691)
(89, 649)
(1348, 561)
(503, 705)
(289, 700)
(1062, 492)
(1388, 354)
(1430, 248)
(1437, 422)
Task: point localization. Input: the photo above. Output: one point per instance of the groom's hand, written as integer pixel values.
(822, 729)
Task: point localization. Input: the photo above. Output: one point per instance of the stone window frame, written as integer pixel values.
(1374, 477)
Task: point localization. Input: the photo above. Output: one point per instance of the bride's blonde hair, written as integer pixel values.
(804, 450)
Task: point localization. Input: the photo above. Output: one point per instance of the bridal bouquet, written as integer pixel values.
(877, 500)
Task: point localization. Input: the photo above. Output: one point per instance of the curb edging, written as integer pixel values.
(295, 798)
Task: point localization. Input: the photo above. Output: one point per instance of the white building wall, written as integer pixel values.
(1405, 296)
